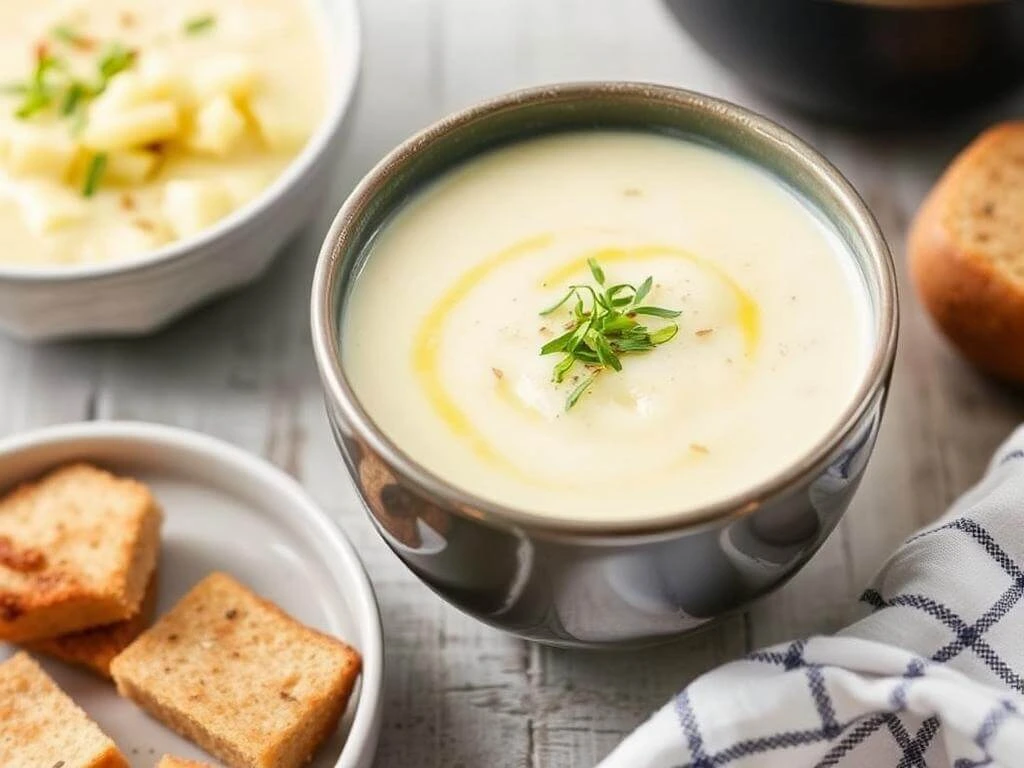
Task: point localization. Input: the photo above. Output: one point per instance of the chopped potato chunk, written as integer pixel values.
(232, 76)
(190, 206)
(133, 127)
(27, 153)
(156, 80)
(281, 130)
(161, 79)
(217, 128)
(48, 206)
(131, 166)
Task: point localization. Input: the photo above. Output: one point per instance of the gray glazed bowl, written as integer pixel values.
(629, 581)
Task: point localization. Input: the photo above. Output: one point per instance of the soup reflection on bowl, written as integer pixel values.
(605, 361)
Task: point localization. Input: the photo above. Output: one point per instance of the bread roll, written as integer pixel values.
(966, 252)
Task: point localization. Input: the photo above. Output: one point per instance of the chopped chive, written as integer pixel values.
(94, 174)
(72, 99)
(67, 34)
(200, 24)
(115, 59)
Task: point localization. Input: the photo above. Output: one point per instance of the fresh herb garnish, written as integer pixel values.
(37, 93)
(68, 34)
(94, 174)
(53, 85)
(603, 326)
(200, 24)
(73, 98)
(114, 60)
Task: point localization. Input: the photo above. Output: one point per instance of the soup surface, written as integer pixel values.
(128, 124)
(442, 334)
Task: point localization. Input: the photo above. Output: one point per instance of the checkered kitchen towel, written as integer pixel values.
(933, 677)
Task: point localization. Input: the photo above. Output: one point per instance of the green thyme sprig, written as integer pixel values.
(603, 327)
(52, 84)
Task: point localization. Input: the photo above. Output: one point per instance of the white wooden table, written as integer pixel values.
(458, 693)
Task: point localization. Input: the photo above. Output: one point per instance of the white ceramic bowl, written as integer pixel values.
(223, 510)
(137, 296)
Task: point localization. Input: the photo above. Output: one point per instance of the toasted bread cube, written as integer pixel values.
(77, 549)
(281, 129)
(190, 206)
(40, 727)
(230, 75)
(95, 648)
(130, 166)
(31, 153)
(133, 127)
(239, 677)
(217, 128)
(47, 206)
(169, 761)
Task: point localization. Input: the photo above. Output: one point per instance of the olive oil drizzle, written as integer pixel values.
(429, 338)
(748, 315)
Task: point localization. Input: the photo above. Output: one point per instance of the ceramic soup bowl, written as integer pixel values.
(624, 581)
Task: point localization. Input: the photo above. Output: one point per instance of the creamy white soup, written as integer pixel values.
(443, 331)
(128, 124)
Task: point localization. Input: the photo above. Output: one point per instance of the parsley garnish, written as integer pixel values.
(68, 34)
(603, 326)
(38, 93)
(114, 60)
(53, 85)
(200, 24)
(94, 174)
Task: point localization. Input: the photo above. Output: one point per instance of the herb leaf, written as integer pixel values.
(654, 312)
(114, 60)
(199, 24)
(53, 85)
(577, 393)
(72, 98)
(68, 34)
(603, 326)
(94, 174)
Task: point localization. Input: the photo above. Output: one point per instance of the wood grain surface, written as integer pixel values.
(458, 693)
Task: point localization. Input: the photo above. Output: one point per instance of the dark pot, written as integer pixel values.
(879, 61)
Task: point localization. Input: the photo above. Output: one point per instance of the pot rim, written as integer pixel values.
(338, 243)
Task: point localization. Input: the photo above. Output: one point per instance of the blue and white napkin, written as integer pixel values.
(933, 677)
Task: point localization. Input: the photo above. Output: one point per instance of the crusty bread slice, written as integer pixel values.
(239, 677)
(40, 727)
(95, 648)
(170, 761)
(966, 251)
(77, 548)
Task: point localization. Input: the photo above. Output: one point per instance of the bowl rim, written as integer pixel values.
(343, 53)
(341, 396)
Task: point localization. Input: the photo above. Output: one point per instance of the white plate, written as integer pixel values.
(223, 510)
